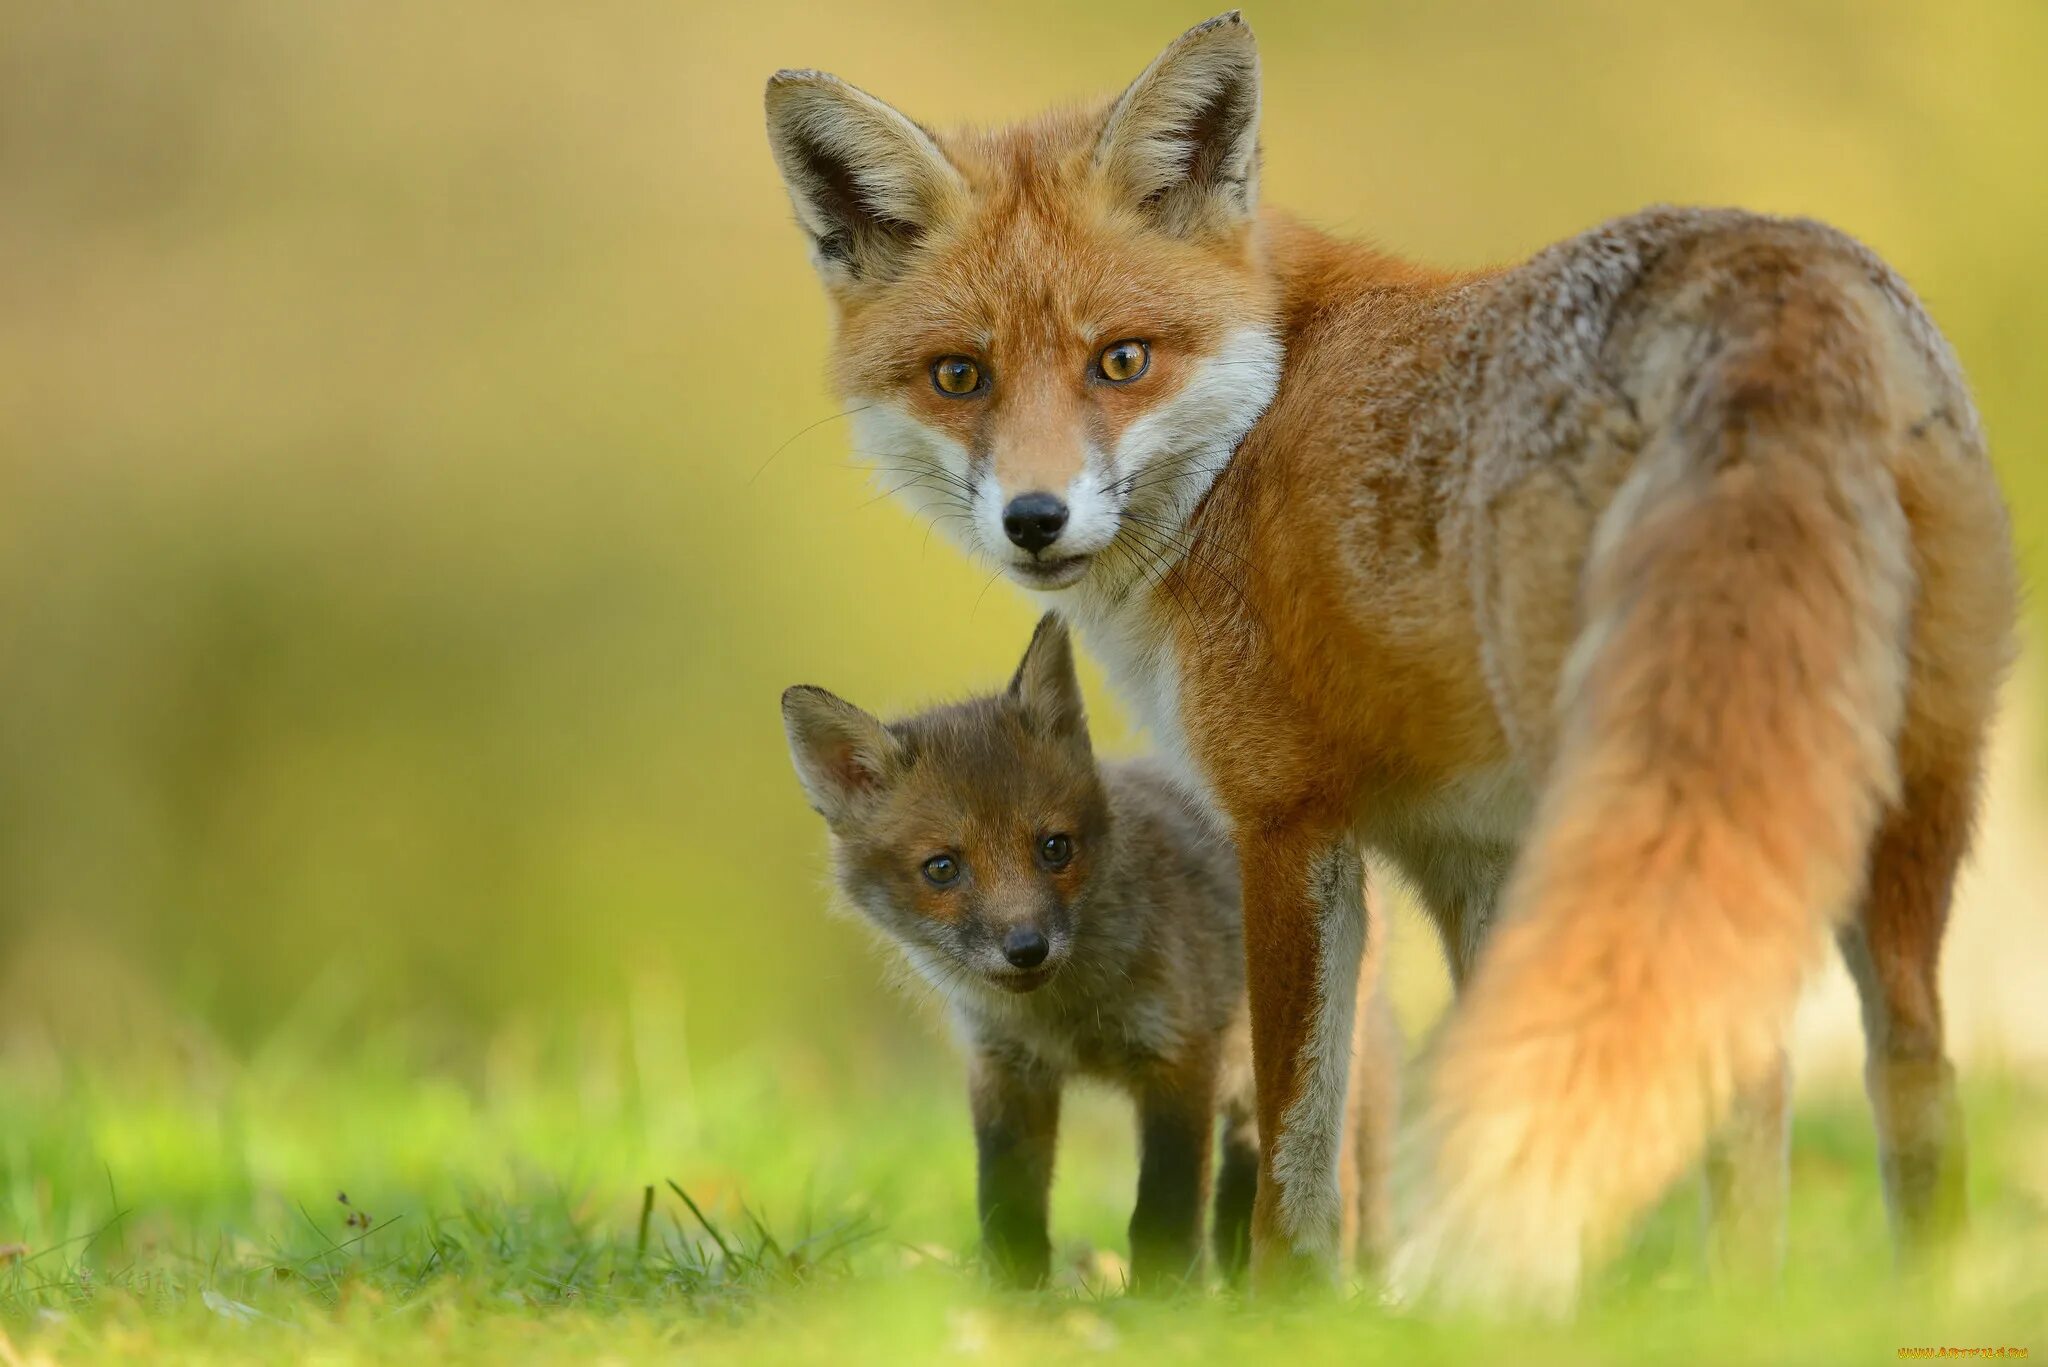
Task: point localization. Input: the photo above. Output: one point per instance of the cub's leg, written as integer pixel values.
(1237, 1163)
(1304, 914)
(1176, 1111)
(1016, 1107)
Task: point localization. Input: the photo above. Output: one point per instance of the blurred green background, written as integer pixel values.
(410, 507)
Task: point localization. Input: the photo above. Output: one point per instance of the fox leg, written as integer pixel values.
(1304, 932)
(1459, 882)
(1016, 1107)
(1237, 1187)
(1961, 648)
(1176, 1107)
(1374, 1112)
(1893, 949)
(1747, 1171)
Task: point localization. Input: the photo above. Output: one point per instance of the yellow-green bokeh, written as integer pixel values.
(395, 581)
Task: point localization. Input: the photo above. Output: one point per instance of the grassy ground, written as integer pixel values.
(538, 1206)
(417, 484)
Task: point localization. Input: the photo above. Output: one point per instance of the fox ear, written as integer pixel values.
(1046, 685)
(842, 754)
(1182, 143)
(867, 183)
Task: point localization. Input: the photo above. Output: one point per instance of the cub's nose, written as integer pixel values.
(1033, 521)
(1025, 947)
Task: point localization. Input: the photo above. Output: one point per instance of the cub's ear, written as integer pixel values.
(1047, 687)
(842, 754)
(867, 183)
(1182, 144)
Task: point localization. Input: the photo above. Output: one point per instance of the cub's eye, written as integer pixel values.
(941, 869)
(1056, 850)
(1122, 362)
(955, 376)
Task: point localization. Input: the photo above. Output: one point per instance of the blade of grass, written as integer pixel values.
(709, 1228)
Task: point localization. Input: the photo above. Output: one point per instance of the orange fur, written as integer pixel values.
(1642, 602)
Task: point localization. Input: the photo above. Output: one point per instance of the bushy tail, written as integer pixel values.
(1726, 748)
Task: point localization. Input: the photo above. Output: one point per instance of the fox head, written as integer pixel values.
(1051, 336)
(970, 834)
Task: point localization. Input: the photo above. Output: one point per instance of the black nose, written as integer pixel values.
(1033, 521)
(1025, 947)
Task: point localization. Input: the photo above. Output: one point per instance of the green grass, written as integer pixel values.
(557, 1204)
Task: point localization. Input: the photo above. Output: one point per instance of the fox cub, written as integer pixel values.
(1077, 920)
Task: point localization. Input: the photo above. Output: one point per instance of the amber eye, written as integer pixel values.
(941, 869)
(955, 376)
(1122, 362)
(1056, 850)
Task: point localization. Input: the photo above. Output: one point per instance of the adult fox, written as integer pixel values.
(1644, 603)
